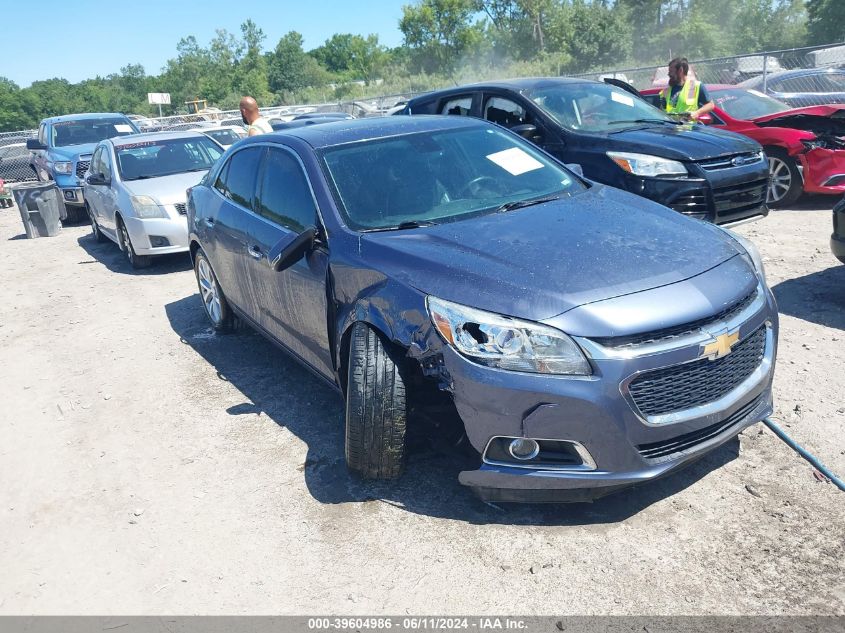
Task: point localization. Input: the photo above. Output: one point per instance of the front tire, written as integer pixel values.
(376, 408)
(785, 182)
(95, 228)
(135, 260)
(213, 300)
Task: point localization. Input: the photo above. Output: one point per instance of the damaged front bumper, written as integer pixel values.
(594, 438)
(823, 170)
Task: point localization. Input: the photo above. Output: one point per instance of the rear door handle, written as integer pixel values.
(255, 252)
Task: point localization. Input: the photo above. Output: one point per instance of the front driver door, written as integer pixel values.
(292, 302)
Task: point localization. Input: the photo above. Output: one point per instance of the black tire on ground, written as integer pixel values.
(376, 408)
(786, 184)
(95, 228)
(226, 321)
(135, 260)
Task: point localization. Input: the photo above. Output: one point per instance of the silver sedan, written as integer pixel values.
(135, 190)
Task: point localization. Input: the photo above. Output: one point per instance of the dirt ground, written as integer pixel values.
(149, 466)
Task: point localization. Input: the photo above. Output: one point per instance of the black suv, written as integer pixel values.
(621, 140)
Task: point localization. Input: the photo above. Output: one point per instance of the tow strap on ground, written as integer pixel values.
(805, 454)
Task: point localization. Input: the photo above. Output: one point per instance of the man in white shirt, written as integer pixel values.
(256, 124)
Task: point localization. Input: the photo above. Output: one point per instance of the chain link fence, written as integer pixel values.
(798, 77)
(14, 157)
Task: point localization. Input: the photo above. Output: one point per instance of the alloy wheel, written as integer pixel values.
(210, 292)
(780, 179)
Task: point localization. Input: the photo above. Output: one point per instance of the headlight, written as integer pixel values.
(506, 343)
(146, 207)
(645, 165)
(62, 167)
(753, 256)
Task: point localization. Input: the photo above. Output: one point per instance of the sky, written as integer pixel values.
(85, 38)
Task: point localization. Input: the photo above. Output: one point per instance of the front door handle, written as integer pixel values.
(209, 222)
(255, 252)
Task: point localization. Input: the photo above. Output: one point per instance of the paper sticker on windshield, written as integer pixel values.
(122, 128)
(515, 161)
(618, 97)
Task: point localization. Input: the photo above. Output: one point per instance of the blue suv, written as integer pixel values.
(63, 149)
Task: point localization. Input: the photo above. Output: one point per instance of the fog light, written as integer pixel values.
(523, 449)
(157, 241)
(70, 195)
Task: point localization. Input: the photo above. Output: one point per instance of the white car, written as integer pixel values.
(135, 190)
(226, 135)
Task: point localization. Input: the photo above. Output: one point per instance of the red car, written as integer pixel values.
(805, 146)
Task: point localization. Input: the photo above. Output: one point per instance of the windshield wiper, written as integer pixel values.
(410, 224)
(672, 121)
(519, 204)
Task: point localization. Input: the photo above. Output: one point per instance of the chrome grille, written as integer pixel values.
(747, 195)
(666, 334)
(81, 168)
(700, 382)
(727, 162)
(672, 448)
(181, 208)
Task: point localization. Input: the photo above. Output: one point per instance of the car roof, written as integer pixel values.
(132, 139)
(797, 72)
(83, 117)
(522, 83)
(352, 130)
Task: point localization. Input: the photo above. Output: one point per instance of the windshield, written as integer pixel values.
(152, 159)
(435, 177)
(746, 104)
(65, 133)
(594, 107)
(224, 137)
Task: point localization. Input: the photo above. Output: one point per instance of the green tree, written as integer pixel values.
(592, 34)
(440, 34)
(826, 21)
(356, 56)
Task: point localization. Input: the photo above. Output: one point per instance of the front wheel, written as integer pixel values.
(95, 228)
(785, 182)
(376, 408)
(135, 260)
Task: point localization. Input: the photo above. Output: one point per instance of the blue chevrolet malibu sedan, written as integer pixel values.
(589, 339)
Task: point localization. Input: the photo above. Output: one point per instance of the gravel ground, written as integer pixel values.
(151, 467)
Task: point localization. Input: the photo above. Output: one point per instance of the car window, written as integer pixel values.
(594, 107)
(504, 112)
(459, 106)
(167, 156)
(95, 167)
(224, 137)
(831, 82)
(796, 84)
(66, 133)
(285, 197)
(440, 176)
(237, 180)
(105, 162)
(746, 104)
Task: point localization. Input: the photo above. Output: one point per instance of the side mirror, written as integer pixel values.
(575, 168)
(96, 179)
(706, 119)
(291, 249)
(526, 131)
(34, 144)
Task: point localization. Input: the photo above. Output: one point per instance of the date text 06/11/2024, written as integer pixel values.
(415, 624)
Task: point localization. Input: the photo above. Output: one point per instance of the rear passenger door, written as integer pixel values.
(226, 226)
(292, 304)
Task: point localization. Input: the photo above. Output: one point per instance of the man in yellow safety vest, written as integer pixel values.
(683, 94)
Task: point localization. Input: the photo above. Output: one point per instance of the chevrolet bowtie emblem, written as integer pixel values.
(721, 346)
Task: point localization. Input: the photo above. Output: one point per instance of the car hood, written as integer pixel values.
(681, 142)
(166, 189)
(73, 151)
(820, 118)
(541, 261)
